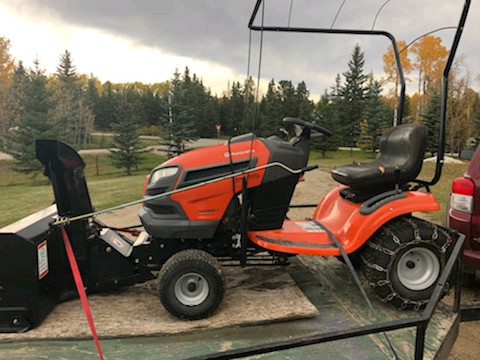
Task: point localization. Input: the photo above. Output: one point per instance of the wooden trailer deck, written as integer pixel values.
(325, 282)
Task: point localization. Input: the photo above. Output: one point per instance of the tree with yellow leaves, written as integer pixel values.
(390, 64)
(430, 58)
(6, 73)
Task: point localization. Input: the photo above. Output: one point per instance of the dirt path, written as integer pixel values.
(317, 183)
(194, 144)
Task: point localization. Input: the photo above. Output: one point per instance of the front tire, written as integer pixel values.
(191, 284)
(404, 259)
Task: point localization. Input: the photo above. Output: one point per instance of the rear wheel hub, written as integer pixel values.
(418, 268)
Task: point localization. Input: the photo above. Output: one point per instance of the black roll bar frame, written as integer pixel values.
(446, 71)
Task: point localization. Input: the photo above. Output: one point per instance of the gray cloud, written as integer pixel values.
(216, 30)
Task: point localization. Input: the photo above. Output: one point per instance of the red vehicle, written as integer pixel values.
(463, 213)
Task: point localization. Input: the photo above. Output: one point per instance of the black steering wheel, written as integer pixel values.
(304, 124)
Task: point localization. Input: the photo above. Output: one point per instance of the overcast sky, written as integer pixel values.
(127, 40)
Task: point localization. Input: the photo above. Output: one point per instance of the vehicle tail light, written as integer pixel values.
(462, 194)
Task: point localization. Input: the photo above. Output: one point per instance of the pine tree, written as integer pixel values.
(376, 114)
(353, 94)
(34, 104)
(107, 103)
(151, 103)
(199, 100)
(67, 72)
(270, 111)
(177, 117)
(128, 151)
(236, 109)
(91, 97)
(326, 115)
(431, 119)
(71, 115)
(15, 105)
(306, 106)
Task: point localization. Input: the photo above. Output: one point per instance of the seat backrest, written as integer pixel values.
(404, 147)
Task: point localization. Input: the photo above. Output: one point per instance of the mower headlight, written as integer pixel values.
(163, 173)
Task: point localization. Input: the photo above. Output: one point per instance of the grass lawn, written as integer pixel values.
(105, 142)
(22, 195)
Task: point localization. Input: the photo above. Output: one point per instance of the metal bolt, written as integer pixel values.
(150, 258)
(108, 249)
(115, 281)
(137, 260)
(162, 246)
(15, 321)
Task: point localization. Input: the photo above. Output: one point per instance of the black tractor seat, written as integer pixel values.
(401, 147)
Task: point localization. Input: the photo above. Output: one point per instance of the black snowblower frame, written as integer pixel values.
(34, 271)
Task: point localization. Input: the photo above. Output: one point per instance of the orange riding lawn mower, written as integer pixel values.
(228, 204)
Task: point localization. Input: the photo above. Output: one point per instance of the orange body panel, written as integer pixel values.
(345, 221)
(210, 202)
(295, 237)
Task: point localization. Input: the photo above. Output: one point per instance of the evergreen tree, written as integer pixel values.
(270, 111)
(71, 116)
(177, 118)
(376, 114)
(91, 97)
(107, 103)
(306, 106)
(199, 100)
(250, 109)
(34, 104)
(232, 108)
(431, 119)
(15, 105)
(327, 115)
(407, 110)
(287, 99)
(352, 93)
(284, 100)
(151, 104)
(128, 151)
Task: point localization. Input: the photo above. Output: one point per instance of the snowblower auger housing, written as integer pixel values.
(34, 270)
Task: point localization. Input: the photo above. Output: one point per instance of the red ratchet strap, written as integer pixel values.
(128, 231)
(81, 289)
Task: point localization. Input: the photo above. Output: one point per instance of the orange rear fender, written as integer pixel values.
(353, 229)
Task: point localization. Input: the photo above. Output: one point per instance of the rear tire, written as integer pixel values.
(404, 259)
(191, 284)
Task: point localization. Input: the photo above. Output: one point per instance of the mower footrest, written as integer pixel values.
(296, 237)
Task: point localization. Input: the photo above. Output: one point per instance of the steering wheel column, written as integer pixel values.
(308, 129)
